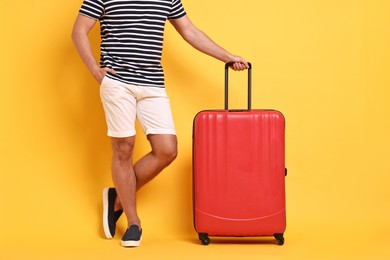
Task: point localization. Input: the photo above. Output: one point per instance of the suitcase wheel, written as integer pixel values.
(204, 238)
(279, 237)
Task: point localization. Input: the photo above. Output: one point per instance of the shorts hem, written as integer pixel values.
(121, 134)
(160, 132)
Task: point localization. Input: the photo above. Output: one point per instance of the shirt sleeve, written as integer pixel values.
(177, 10)
(92, 8)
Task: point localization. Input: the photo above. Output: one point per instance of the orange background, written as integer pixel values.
(324, 64)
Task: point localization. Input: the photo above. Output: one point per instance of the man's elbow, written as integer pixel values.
(73, 35)
(76, 35)
(190, 36)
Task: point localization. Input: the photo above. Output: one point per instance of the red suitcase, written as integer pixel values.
(239, 171)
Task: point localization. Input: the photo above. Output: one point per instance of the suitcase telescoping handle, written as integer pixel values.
(227, 65)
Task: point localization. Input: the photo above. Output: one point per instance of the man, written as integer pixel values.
(132, 86)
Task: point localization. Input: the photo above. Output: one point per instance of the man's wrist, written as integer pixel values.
(95, 69)
(229, 57)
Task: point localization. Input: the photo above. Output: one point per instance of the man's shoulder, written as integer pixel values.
(124, 1)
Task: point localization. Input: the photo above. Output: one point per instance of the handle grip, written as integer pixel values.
(231, 63)
(227, 65)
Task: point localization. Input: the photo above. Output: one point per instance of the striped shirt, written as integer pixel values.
(132, 33)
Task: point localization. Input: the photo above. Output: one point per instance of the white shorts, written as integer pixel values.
(123, 103)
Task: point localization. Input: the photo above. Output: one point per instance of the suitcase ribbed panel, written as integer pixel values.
(239, 173)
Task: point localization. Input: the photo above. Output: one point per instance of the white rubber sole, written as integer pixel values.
(131, 243)
(106, 228)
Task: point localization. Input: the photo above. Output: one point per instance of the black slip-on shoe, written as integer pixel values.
(110, 217)
(132, 237)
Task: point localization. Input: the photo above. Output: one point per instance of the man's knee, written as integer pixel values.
(164, 147)
(170, 152)
(123, 148)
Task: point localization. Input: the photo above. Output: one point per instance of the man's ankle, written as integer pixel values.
(117, 204)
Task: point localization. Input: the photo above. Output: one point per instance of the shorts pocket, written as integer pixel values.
(104, 81)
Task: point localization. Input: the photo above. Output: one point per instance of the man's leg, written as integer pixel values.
(124, 179)
(128, 178)
(164, 151)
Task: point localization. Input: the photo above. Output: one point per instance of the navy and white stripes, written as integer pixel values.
(132, 33)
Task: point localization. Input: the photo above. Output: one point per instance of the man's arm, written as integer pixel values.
(81, 29)
(200, 41)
